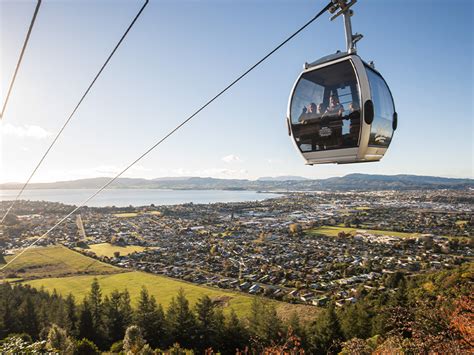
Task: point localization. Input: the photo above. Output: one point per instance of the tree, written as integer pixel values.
(271, 325)
(357, 222)
(94, 300)
(209, 324)
(355, 322)
(265, 325)
(151, 319)
(71, 314)
(86, 324)
(59, 340)
(86, 347)
(235, 335)
(28, 318)
(295, 229)
(133, 341)
(393, 280)
(117, 315)
(9, 319)
(181, 321)
(326, 332)
(295, 329)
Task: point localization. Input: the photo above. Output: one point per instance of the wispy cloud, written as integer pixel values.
(231, 159)
(21, 131)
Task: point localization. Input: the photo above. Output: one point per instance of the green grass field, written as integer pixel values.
(126, 214)
(164, 288)
(57, 261)
(334, 231)
(107, 249)
(68, 271)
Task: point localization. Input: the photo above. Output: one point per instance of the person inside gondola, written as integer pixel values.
(354, 117)
(352, 137)
(303, 115)
(335, 108)
(333, 118)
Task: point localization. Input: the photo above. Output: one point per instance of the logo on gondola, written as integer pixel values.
(325, 132)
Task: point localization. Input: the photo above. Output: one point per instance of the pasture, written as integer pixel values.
(55, 261)
(164, 289)
(334, 231)
(107, 249)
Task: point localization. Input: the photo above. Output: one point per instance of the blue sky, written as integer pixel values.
(180, 53)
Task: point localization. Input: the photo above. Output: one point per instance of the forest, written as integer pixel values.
(420, 314)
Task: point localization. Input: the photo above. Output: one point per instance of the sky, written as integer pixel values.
(181, 53)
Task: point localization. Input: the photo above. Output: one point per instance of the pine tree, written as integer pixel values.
(326, 332)
(205, 322)
(151, 319)
(256, 315)
(29, 318)
(94, 299)
(271, 327)
(355, 322)
(71, 314)
(181, 321)
(210, 322)
(86, 324)
(235, 335)
(265, 325)
(117, 315)
(9, 311)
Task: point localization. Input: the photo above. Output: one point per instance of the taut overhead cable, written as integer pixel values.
(20, 58)
(73, 112)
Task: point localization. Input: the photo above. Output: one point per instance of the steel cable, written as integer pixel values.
(73, 112)
(20, 58)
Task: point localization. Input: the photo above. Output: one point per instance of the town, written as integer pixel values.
(300, 248)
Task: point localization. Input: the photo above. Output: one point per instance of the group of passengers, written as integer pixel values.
(328, 122)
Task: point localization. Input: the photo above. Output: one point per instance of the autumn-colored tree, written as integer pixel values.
(288, 345)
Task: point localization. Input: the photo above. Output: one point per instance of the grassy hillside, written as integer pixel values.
(107, 249)
(333, 231)
(57, 261)
(70, 272)
(163, 288)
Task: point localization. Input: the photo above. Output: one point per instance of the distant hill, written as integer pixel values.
(282, 178)
(359, 182)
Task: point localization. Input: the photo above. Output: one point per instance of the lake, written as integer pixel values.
(136, 197)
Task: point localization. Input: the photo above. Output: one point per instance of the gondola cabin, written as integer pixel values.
(341, 111)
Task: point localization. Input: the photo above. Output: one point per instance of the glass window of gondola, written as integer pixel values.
(325, 108)
(382, 126)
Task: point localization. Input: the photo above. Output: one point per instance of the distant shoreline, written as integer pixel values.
(138, 197)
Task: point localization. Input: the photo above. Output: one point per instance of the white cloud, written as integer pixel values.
(21, 131)
(231, 159)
